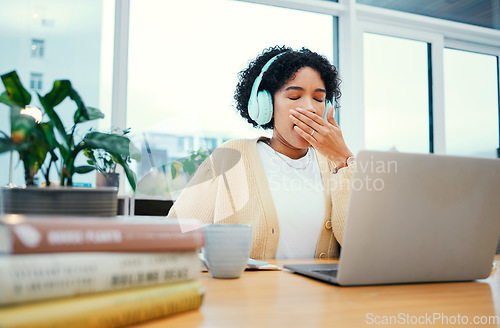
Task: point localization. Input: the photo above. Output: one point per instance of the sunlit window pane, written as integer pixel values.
(396, 94)
(471, 103)
(48, 40)
(184, 58)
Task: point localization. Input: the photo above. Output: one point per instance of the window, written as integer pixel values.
(36, 81)
(203, 44)
(209, 143)
(80, 34)
(396, 94)
(471, 103)
(37, 48)
(182, 83)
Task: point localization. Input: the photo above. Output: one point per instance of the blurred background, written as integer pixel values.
(418, 76)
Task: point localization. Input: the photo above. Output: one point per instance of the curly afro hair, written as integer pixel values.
(280, 72)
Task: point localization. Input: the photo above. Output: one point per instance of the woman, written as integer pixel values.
(293, 188)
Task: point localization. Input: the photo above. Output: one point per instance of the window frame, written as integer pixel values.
(353, 20)
(37, 48)
(36, 81)
(482, 49)
(436, 82)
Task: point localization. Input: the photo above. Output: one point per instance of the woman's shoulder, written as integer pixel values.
(240, 143)
(231, 151)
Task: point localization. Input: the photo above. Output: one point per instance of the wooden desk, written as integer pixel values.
(284, 299)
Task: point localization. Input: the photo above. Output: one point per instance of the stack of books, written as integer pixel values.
(87, 272)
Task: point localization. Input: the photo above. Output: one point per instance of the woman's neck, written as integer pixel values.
(278, 143)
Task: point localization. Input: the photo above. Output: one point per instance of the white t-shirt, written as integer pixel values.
(297, 191)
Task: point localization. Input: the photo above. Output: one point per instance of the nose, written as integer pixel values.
(308, 104)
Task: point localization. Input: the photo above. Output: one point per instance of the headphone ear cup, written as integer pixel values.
(253, 108)
(265, 107)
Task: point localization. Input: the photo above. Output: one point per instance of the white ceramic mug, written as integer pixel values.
(226, 250)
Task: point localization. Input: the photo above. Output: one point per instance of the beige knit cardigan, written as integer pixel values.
(231, 187)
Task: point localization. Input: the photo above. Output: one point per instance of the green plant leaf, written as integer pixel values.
(39, 151)
(15, 90)
(188, 167)
(29, 140)
(84, 169)
(131, 176)
(6, 145)
(5, 99)
(134, 152)
(48, 134)
(89, 153)
(33, 156)
(59, 92)
(65, 153)
(56, 122)
(175, 169)
(112, 143)
(81, 113)
(117, 146)
(92, 114)
(21, 127)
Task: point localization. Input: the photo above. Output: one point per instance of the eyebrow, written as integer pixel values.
(300, 88)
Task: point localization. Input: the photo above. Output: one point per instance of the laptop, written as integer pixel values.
(416, 218)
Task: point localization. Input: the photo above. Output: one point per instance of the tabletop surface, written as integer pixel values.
(285, 299)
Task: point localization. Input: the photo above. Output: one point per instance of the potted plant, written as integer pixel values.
(189, 164)
(105, 166)
(182, 170)
(105, 163)
(160, 182)
(46, 145)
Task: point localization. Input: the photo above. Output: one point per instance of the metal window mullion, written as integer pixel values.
(120, 71)
(431, 94)
(438, 106)
(350, 44)
(498, 94)
(120, 65)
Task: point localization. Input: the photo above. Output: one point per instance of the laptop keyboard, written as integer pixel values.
(330, 272)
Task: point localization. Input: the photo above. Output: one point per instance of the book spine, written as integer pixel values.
(106, 310)
(73, 235)
(32, 277)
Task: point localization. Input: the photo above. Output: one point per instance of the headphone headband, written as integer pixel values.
(268, 64)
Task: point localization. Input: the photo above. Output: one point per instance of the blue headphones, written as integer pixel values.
(260, 104)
